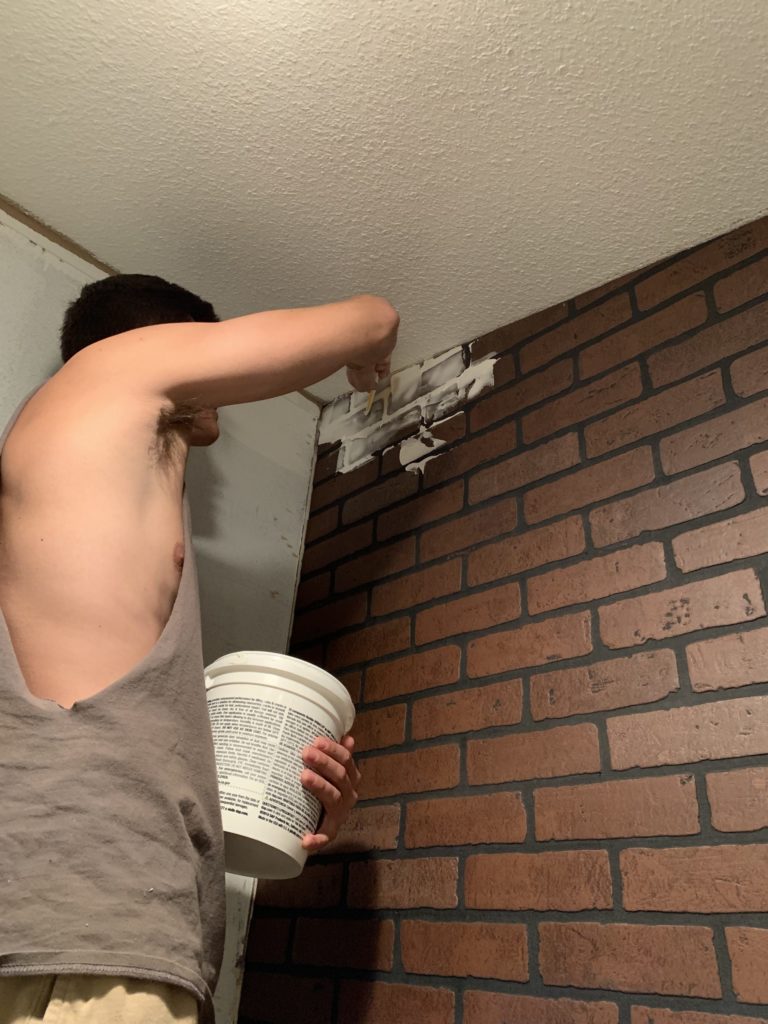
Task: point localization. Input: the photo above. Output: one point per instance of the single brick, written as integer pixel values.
(471, 453)
(342, 484)
(504, 372)
(268, 940)
(567, 636)
(534, 389)
(314, 654)
(382, 727)
(324, 447)
(503, 338)
(468, 530)
(352, 681)
(371, 642)
(419, 771)
(367, 828)
(668, 959)
(654, 330)
(318, 886)
(326, 465)
(726, 541)
(725, 728)
(748, 950)
(425, 509)
(339, 546)
(587, 486)
(758, 464)
(382, 561)
(750, 373)
(464, 820)
(742, 285)
(719, 436)
(286, 998)
(604, 685)
(415, 672)
(582, 404)
(525, 551)
(593, 578)
(450, 429)
(520, 470)
(416, 588)
(467, 614)
(562, 880)
(647, 1015)
(344, 942)
(709, 346)
(378, 1003)
(565, 750)
(739, 799)
(390, 459)
(712, 258)
(314, 589)
(482, 707)
(603, 290)
(700, 494)
(321, 524)
(500, 1008)
(465, 949)
(719, 601)
(574, 332)
(395, 489)
(421, 882)
(660, 806)
(330, 618)
(696, 879)
(661, 411)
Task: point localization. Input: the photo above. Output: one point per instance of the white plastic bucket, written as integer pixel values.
(264, 709)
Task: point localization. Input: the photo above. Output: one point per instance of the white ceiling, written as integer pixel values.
(472, 160)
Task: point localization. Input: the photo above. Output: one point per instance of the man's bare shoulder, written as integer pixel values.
(85, 415)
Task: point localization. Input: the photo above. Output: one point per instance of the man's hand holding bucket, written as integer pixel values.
(333, 777)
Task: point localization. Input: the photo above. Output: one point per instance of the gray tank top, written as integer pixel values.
(111, 842)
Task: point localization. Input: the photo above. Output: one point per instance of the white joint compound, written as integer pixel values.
(264, 709)
(416, 399)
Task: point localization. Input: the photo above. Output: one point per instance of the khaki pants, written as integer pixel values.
(93, 999)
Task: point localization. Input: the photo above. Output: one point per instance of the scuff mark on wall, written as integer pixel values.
(415, 399)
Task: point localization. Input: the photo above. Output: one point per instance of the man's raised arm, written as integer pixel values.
(252, 357)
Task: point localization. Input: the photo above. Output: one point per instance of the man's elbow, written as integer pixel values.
(387, 316)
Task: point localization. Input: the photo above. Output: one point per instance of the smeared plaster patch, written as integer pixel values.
(415, 447)
(418, 467)
(415, 399)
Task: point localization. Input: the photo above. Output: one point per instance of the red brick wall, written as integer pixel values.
(558, 643)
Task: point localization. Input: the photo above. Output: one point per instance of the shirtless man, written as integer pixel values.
(92, 542)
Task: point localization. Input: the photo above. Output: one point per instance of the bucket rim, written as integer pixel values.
(284, 664)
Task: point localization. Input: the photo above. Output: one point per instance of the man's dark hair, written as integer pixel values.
(124, 302)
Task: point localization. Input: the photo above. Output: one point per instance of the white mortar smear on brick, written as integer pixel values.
(340, 421)
(416, 447)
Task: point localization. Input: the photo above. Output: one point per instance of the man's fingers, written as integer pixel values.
(333, 777)
(313, 843)
(339, 770)
(330, 796)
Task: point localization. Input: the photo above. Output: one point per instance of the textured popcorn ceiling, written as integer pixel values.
(472, 161)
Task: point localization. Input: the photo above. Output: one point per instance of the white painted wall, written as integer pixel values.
(38, 279)
(249, 495)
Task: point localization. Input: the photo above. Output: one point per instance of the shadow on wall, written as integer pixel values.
(233, 594)
(204, 482)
